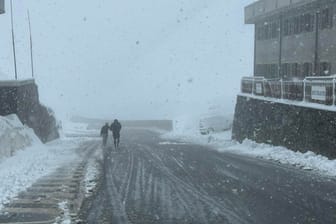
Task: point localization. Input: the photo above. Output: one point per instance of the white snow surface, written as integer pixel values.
(66, 219)
(20, 171)
(14, 136)
(92, 172)
(29, 159)
(223, 143)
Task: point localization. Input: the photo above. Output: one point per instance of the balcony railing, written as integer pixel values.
(321, 90)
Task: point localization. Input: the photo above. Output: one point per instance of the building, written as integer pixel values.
(293, 38)
(291, 99)
(2, 6)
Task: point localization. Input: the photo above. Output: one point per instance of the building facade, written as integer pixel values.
(293, 38)
(2, 6)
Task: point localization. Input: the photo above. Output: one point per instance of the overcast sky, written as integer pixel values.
(131, 59)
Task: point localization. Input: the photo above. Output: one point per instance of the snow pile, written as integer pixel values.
(223, 143)
(14, 136)
(186, 125)
(20, 171)
(92, 172)
(307, 161)
(75, 129)
(66, 219)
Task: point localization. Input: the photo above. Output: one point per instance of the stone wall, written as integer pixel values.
(295, 127)
(21, 98)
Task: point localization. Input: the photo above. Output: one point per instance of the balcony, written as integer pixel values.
(317, 90)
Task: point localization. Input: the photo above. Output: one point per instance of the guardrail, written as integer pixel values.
(317, 89)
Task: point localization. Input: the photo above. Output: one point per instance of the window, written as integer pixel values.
(302, 23)
(309, 22)
(307, 69)
(298, 24)
(274, 30)
(267, 31)
(326, 18)
(299, 70)
(267, 70)
(324, 68)
(296, 21)
(286, 27)
(285, 70)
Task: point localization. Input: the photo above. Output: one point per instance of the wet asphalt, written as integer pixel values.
(151, 180)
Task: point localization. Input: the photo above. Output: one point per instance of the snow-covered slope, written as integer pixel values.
(24, 159)
(14, 136)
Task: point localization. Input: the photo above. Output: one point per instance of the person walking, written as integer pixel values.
(104, 133)
(116, 128)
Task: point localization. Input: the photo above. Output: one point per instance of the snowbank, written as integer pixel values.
(223, 143)
(20, 171)
(92, 172)
(307, 161)
(14, 136)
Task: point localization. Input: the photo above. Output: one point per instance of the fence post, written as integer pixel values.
(281, 87)
(263, 87)
(333, 93)
(304, 90)
(253, 87)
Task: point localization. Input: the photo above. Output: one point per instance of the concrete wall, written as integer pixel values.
(21, 98)
(297, 128)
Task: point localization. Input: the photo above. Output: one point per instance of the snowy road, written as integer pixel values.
(151, 180)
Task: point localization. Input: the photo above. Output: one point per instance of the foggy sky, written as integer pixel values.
(131, 59)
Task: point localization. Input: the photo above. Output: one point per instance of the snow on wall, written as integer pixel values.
(14, 136)
(295, 127)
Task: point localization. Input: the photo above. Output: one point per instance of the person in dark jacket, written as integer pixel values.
(104, 133)
(116, 128)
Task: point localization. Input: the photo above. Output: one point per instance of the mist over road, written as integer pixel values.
(151, 180)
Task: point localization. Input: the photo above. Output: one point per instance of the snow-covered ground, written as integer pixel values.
(187, 131)
(66, 218)
(24, 168)
(25, 159)
(92, 172)
(14, 136)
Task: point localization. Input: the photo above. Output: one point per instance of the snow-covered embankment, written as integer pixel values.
(24, 159)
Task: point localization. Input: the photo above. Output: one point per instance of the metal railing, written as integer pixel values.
(321, 90)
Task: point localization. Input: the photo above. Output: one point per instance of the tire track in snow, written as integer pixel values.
(192, 194)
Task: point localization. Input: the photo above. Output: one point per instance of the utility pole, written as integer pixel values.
(13, 40)
(31, 46)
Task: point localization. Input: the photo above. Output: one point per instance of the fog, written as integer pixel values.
(144, 59)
